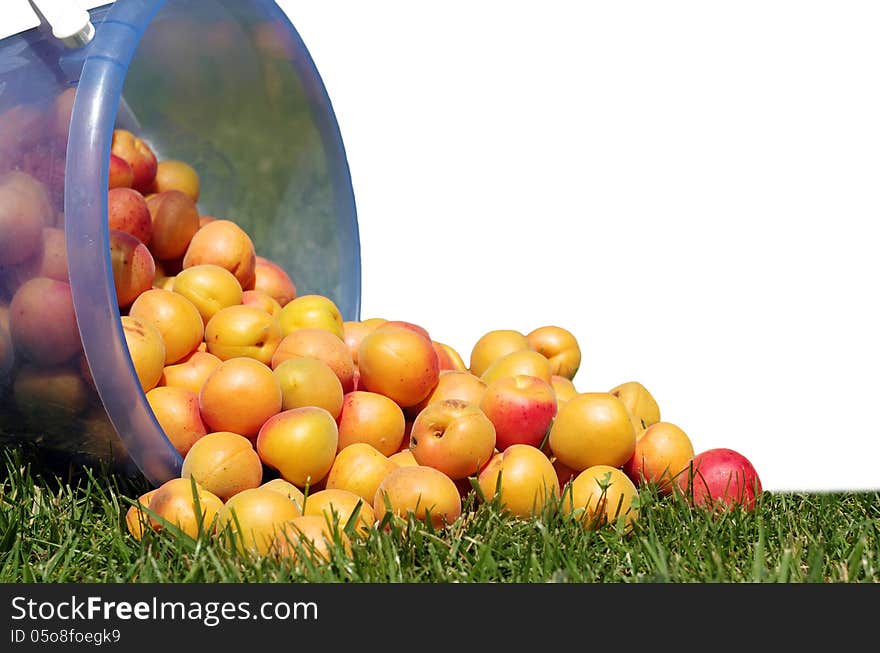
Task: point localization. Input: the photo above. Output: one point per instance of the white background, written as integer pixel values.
(691, 188)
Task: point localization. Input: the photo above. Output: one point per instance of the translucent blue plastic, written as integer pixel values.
(227, 86)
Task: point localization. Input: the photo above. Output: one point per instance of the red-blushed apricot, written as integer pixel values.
(224, 463)
(224, 243)
(133, 267)
(360, 469)
(320, 344)
(286, 488)
(127, 211)
(523, 478)
(720, 479)
(559, 346)
(177, 319)
(311, 536)
(209, 287)
(251, 519)
(311, 312)
(121, 174)
(592, 429)
(240, 330)
(309, 382)
(399, 363)
(299, 443)
(371, 418)
(353, 332)
(338, 506)
(205, 219)
(261, 299)
(404, 458)
(273, 279)
(640, 404)
(175, 220)
(661, 455)
(42, 322)
(494, 344)
(563, 388)
(521, 408)
(239, 396)
(137, 517)
(426, 493)
(454, 437)
(526, 362)
(449, 358)
(140, 156)
(453, 384)
(190, 372)
(146, 349)
(175, 502)
(601, 495)
(177, 411)
(22, 218)
(172, 174)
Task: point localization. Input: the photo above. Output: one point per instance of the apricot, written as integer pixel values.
(251, 519)
(261, 299)
(493, 345)
(176, 318)
(22, 218)
(398, 363)
(224, 463)
(592, 429)
(140, 156)
(127, 211)
(209, 287)
(353, 332)
(309, 382)
(42, 322)
(338, 507)
(146, 349)
(172, 174)
(371, 418)
(224, 243)
(240, 395)
(120, 174)
(190, 372)
(175, 220)
(564, 389)
(50, 397)
(175, 502)
(359, 468)
(311, 312)
(299, 443)
(272, 279)
(404, 458)
(525, 362)
(133, 267)
(523, 478)
(454, 437)
(454, 384)
(448, 357)
(559, 346)
(177, 411)
(601, 495)
(49, 260)
(640, 404)
(137, 517)
(426, 493)
(311, 536)
(321, 344)
(661, 455)
(286, 488)
(243, 331)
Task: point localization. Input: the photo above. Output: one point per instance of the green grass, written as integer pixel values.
(58, 531)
